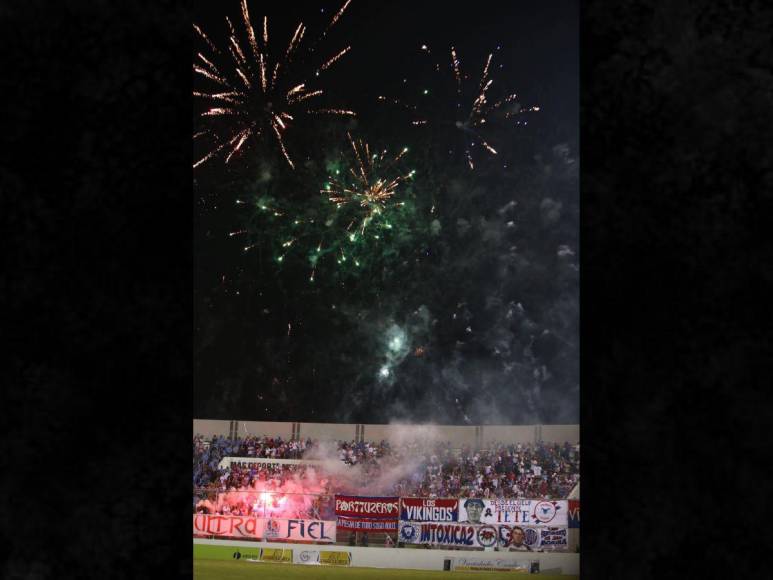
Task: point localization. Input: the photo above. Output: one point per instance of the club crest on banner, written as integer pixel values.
(487, 536)
(272, 529)
(505, 535)
(407, 532)
(531, 537)
(544, 512)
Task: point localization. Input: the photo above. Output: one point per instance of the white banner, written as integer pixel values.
(508, 538)
(265, 461)
(519, 538)
(497, 565)
(447, 534)
(281, 530)
(308, 557)
(530, 512)
(553, 539)
(322, 557)
(273, 529)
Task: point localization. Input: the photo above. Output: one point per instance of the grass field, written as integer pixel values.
(217, 562)
(204, 569)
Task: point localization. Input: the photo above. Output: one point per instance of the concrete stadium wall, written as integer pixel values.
(396, 434)
(417, 558)
(329, 431)
(573, 539)
(458, 435)
(509, 433)
(266, 429)
(560, 433)
(210, 427)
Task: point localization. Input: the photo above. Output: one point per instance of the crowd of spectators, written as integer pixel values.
(546, 471)
(434, 469)
(510, 471)
(207, 454)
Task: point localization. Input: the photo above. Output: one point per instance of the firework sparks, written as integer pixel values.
(337, 16)
(365, 215)
(335, 58)
(369, 187)
(364, 218)
(457, 73)
(470, 121)
(258, 91)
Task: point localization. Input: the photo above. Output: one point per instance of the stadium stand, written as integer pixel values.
(546, 471)
(430, 469)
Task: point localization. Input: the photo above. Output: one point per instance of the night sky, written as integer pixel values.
(465, 310)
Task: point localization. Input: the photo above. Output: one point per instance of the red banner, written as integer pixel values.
(366, 524)
(420, 509)
(367, 507)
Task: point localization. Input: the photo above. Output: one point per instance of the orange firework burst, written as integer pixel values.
(373, 182)
(480, 109)
(258, 92)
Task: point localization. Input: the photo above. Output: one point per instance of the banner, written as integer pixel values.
(263, 462)
(450, 534)
(253, 555)
(276, 529)
(355, 513)
(365, 524)
(513, 511)
(300, 530)
(574, 513)
(220, 552)
(309, 557)
(553, 539)
(368, 507)
(335, 558)
(498, 565)
(276, 555)
(229, 526)
(505, 537)
(519, 538)
(418, 509)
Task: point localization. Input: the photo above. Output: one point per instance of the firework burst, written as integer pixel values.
(366, 217)
(374, 181)
(256, 92)
(472, 106)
